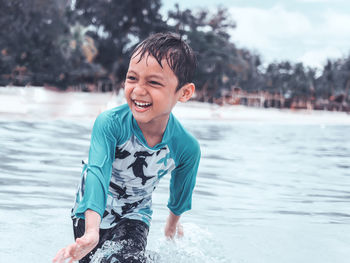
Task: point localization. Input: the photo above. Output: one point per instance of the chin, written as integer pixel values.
(140, 118)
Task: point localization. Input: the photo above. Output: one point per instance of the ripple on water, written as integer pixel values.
(250, 176)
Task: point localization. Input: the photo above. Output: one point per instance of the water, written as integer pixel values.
(265, 192)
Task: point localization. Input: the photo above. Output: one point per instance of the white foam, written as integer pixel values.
(196, 246)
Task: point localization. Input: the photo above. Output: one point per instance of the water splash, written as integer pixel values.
(108, 248)
(110, 251)
(197, 246)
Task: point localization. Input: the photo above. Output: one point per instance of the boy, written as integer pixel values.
(132, 147)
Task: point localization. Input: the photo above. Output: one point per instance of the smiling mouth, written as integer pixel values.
(142, 105)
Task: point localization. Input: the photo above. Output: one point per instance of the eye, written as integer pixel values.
(130, 77)
(152, 82)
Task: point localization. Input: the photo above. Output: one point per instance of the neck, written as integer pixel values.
(153, 131)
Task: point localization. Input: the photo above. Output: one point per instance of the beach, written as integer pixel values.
(39, 103)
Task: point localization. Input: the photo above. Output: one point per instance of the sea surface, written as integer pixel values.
(266, 192)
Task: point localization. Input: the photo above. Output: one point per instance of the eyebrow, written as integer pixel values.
(155, 76)
(149, 76)
(131, 71)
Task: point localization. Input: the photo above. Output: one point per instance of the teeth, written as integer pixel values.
(141, 104)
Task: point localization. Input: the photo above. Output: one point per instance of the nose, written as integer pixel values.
(140, 90)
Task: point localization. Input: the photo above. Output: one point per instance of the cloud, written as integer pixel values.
(318, 57)
(280, 34)
(274, 22)
(330, 39)
(337, 23)
(272, 31)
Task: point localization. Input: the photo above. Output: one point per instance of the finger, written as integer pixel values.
(180, 231)
(81, 250)
(70, 251)
(59, 256)
(170, 235)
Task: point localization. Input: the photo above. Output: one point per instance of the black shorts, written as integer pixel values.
(130, 234)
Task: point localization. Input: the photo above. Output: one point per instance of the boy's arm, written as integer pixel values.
(94, 193)
(92, 221)
(84, 244)
(172, 226)
(182, 182)
(99, 167)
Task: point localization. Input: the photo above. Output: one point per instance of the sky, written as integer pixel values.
(308, 31)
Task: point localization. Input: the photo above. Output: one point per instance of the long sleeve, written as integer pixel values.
(99, 167)
(183, 179)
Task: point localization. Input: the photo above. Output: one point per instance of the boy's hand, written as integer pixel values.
(173, 227)
(171, 231)
(79, 249)
(84, 244)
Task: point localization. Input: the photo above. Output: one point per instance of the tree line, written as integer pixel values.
(86, 43)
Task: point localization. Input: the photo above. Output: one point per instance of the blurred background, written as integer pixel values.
(284, 54)
(271, 113)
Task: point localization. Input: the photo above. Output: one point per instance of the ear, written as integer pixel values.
(186, 92)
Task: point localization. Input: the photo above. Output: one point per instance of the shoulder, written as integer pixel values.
(113, 120)
(113, 116)
(183, 142)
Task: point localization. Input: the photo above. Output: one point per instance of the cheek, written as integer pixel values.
(157, 95)
(127, 91)
(162, 99)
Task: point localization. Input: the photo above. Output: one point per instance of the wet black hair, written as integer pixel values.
(178, 54)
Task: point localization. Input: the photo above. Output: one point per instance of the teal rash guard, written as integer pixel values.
(123, 171)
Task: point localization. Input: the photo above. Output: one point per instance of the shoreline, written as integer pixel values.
(39, 103)
(205, 111)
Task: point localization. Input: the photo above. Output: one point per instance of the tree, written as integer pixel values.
(278, 76)
(115, 27)
(252, 79)
(218, 60)
(29, 41)
(346, 78)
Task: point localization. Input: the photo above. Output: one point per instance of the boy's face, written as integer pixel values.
(150, 90)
